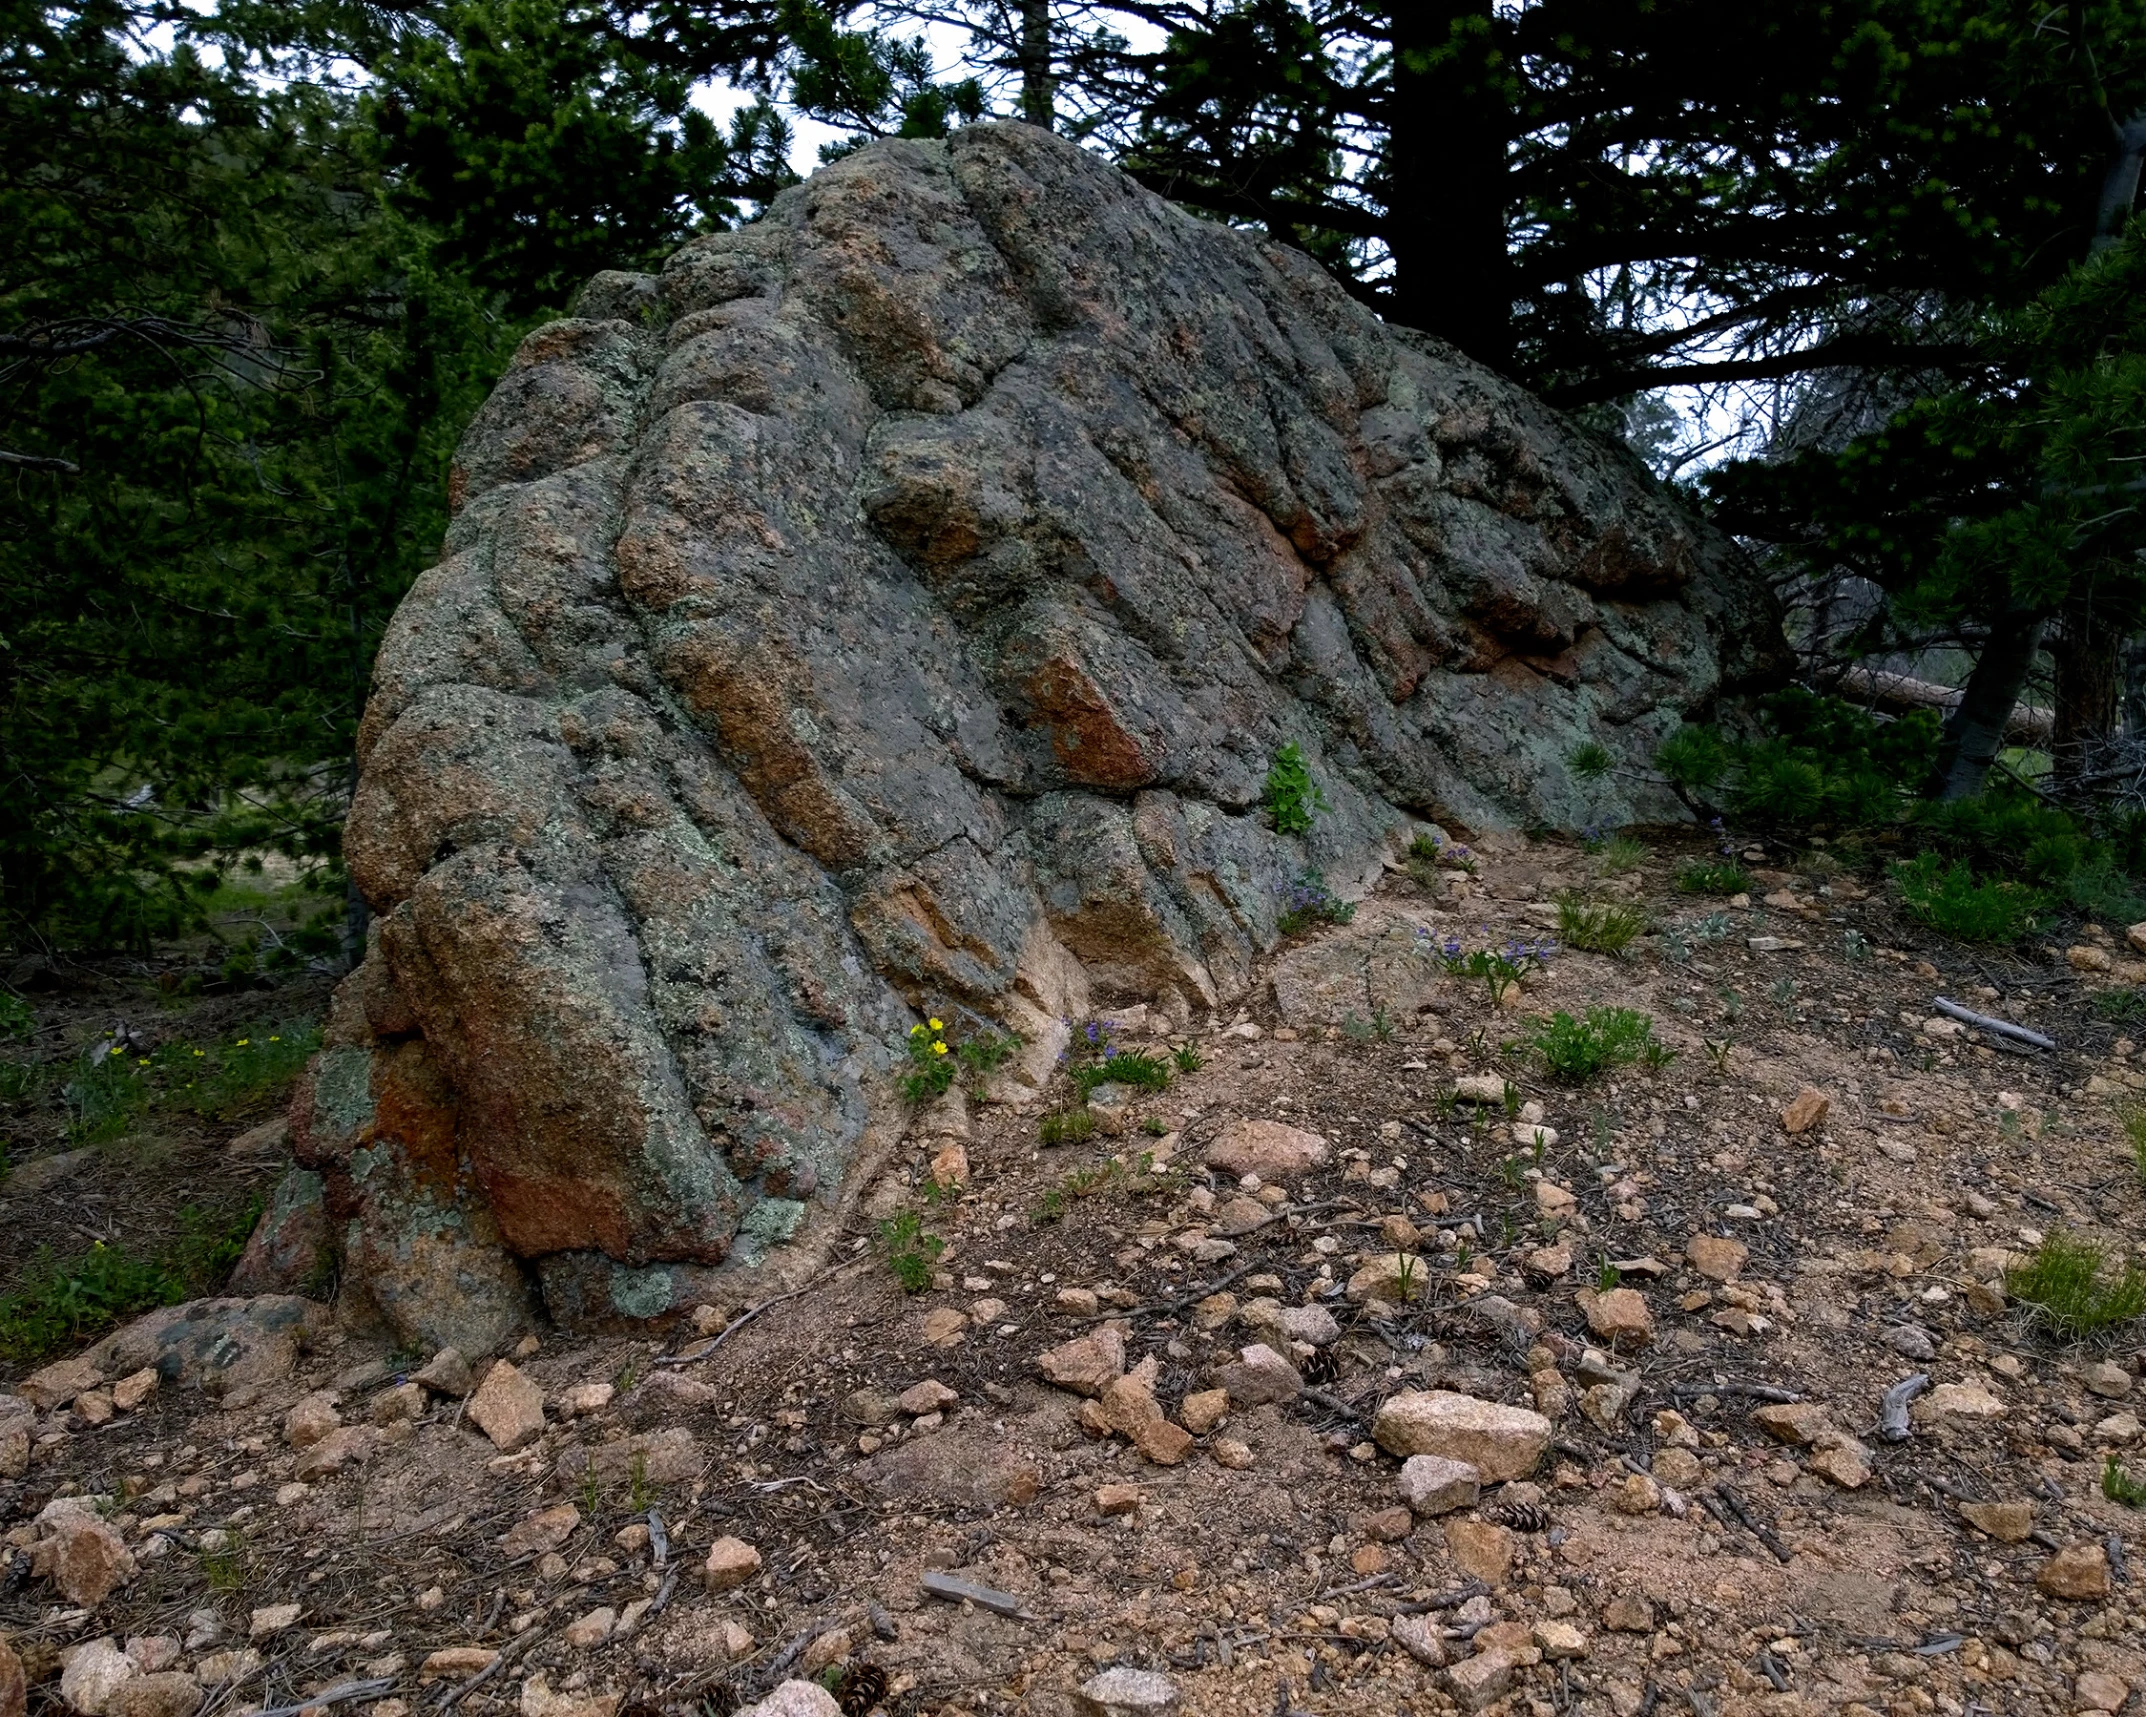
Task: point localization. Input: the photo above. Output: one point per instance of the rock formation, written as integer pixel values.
(898, 604)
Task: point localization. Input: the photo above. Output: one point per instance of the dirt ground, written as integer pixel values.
(1668, 1552)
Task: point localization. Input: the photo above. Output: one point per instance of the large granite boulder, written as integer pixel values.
(898, 604)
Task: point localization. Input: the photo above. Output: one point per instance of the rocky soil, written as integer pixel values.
(1361, 1369)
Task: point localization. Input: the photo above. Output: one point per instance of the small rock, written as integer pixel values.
(1716, 1258)
(930, 1396)
(2098, 1690)
(271, 1619)
(14, 1682)
(152, 1654)
(95, 1671)
(592, 1629)
(1118, 1498)
(508, 1407)
(399, 1405)
(1126, 1693)
(2079, 1572)
(1433, 1484)
(1480, 1088)
(1076, 1302)
(1258, 1377)
(1557, 1640)
(1482, 1550)
(1621, 1318)
(88, 1560)
(547, 1529)
(825, 1651)
(1959, 1401)
(345, 1446)
(1202, 1410)
(1270, 1149)
(944, 1327)
(586, 1398)
(1798, 1424)
(457, 1661)
(1639, 1494)
(950, 1166)
(1911, 1342)
(1389, 1525)
(2010, 1522)
(1677, 1468)
(130, 1393)
(1843, 1460)
(1499, 1442)
(311, 1420)
(59, 1383)
(731, 1562)
(2108, 1380)
(1481, 1680)
(2089, 959)
(795, 1699)
(15, 1447)
(1396, 1277)
(1807, 1109)
(1422, 1638)
(447, 1373)
(219, 1667)
(169, 1693)
(1231, 1452)
(1086, 1366)
(1628, 1614)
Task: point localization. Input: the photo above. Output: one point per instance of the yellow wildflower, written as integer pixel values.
(938, 1049)
(938, 1025)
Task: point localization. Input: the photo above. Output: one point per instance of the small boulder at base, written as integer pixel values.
(94, 1671)
(1500, 1442)
(1126, 1692)
(1807, 1109)
(2079, 1572)
(1273, 1150)
(796, 1699)
(1433, 1484)
(508, 1407)
(88, 1559)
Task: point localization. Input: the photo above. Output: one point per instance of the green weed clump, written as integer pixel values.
(1309, 901)
(1723, 876)
(1575, 1050)
(912, 1251)
(1134, 1067)
(2069, 1286)
(1949, 898)
(2120, 1487)
(1066, 1127)
(935, 1060)
(1292, 797)
(1598, 927)
(61, 1302)
(117, 1092)
(1621, 855)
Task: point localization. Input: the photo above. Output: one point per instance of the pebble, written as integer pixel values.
(310, 1420)
(929, 1396)
(1500, 1442)
(1620, 1317)
(1911, 1342)
(1435, 1484)
(447, 1373)
(2078, 1572)
(271, 1619)
(2107, 1379)
(1087, 1365)
(507, 1407)
(731, 1562)
(1123, 1692)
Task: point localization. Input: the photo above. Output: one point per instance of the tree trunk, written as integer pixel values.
(1039, 82)
(2120, 181)
(2087, 651)
(1975, 732)
(1447, 130)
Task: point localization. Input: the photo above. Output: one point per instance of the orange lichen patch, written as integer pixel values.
(1090, 741)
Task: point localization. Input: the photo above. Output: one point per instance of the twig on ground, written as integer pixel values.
(1893, 1412)
(1998, 1027)
(1744, 1518)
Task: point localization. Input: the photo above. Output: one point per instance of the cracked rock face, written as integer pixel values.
(898, 604)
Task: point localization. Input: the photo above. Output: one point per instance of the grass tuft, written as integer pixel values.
(1713, 876)
(1949, 899)
(1066, 1127)
(1575, 1050)
(2069, 1287)
(1598, 928)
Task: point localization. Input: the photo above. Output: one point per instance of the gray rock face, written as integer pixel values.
(898, 604)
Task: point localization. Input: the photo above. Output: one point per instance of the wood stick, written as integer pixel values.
(2000, 1027)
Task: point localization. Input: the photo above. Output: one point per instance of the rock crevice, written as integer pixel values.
(897, 604)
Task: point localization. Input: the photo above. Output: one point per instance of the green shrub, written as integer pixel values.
(2069, 1288)
(912, 1251)
(61, 1302)
(1066, 1127)
(16, 1019)
(1576, 1050)
(2119, 1486)
(1188, 1058)
(1723, 876)
(1821, 762)
(1949, 899)
(1596, 927)
(1291, 795)
(931, 1062)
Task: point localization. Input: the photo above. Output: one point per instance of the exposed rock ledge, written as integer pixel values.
(897, 604)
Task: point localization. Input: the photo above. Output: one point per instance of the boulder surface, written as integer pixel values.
(898, 604)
